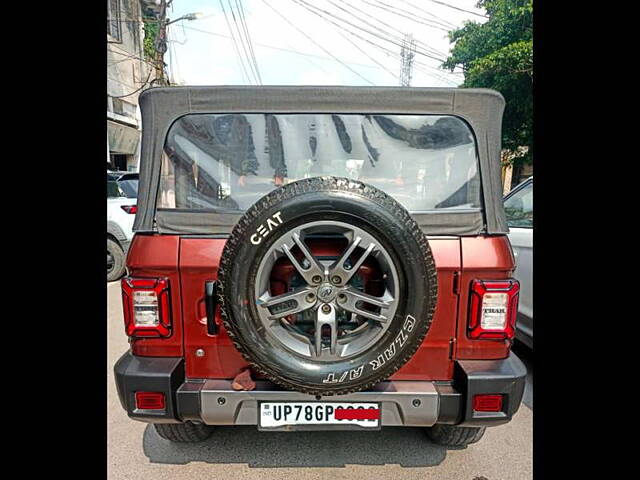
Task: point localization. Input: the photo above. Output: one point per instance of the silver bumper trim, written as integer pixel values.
(403, 403)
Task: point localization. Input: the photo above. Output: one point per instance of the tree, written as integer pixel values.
(151, 29)
(498, 54)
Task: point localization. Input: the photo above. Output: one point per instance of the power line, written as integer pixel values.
(439, 76)
(289, 50)
(318, 45)
(356, 45)
(128, 56)
(418, 42)
(243, 20)
(395, 42)
(247, 57)
(235, 44)
(458, 8)
(144, 84)
(443, 22)
(386, 51)
(439, 25)
(305, 55)
(426, 47)
(413, 18)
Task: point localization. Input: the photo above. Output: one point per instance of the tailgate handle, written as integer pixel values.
(210, 302)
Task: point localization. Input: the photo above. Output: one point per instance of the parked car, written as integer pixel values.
(518, 205)
(122, 191)
(342, 267)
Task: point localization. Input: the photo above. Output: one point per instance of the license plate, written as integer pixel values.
(282, 414)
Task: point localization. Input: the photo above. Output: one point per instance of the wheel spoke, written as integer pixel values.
(297, 303)
(353, 297)
(329, 319)
(338, 268)
(315, 269)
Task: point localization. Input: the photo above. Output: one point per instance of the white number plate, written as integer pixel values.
(279, 414)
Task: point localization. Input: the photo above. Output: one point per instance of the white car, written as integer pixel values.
(122, 192)
(518, 207)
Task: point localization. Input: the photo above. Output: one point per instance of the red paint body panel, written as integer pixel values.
(190, 262)
(199, 261)
(488, 258)
(157, 256)
(432, 360)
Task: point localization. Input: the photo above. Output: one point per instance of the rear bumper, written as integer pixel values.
(403, 403)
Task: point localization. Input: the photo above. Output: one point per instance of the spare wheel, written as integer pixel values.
(327, 286)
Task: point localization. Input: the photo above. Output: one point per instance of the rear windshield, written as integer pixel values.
(226, 162)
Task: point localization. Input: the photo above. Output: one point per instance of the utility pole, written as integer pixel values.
(407, 53)
(161, 43)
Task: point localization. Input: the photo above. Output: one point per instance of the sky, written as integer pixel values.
(294, 46)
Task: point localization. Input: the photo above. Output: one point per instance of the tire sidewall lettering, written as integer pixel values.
(386, 356)
(273, 222)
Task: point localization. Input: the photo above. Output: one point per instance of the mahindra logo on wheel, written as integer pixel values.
(263, 231)
(325, 292)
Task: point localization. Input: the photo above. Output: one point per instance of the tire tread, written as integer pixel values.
(183, 432)
(455, 436)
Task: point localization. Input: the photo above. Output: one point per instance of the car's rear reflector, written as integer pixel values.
(150, 401)
(487, 403)
(494, 305)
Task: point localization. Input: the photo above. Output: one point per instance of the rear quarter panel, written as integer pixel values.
(483, 258)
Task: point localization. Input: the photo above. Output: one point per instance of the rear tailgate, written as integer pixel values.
(198, 263)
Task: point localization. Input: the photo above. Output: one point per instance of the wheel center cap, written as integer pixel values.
(326, 292)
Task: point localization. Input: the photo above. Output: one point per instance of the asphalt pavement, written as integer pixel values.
(135, 451)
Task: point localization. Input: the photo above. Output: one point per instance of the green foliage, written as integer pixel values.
(498, 54)
(151, 28)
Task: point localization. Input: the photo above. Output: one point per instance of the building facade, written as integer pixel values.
(129, 72)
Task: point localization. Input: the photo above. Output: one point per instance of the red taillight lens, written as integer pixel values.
(494, 305)
(150, 400)
(487, 403)
(129, 208)
(146, 307)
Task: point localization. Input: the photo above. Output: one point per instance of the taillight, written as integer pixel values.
(129, 208)
(487, 403)
(146, 307)
(494, 305)
(150, 400)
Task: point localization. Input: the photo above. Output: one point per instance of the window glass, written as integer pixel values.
(113, 21)
(226, 162)
(519, 208)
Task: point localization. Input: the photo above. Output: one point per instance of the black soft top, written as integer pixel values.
(481, 108)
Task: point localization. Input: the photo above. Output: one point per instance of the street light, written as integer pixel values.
(161, 42)
(188, 16)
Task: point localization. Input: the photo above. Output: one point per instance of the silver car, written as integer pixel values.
(518, 206)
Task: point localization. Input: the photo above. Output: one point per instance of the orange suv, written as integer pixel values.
(320, 258)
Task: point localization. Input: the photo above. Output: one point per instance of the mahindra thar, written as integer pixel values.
(320, 258)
